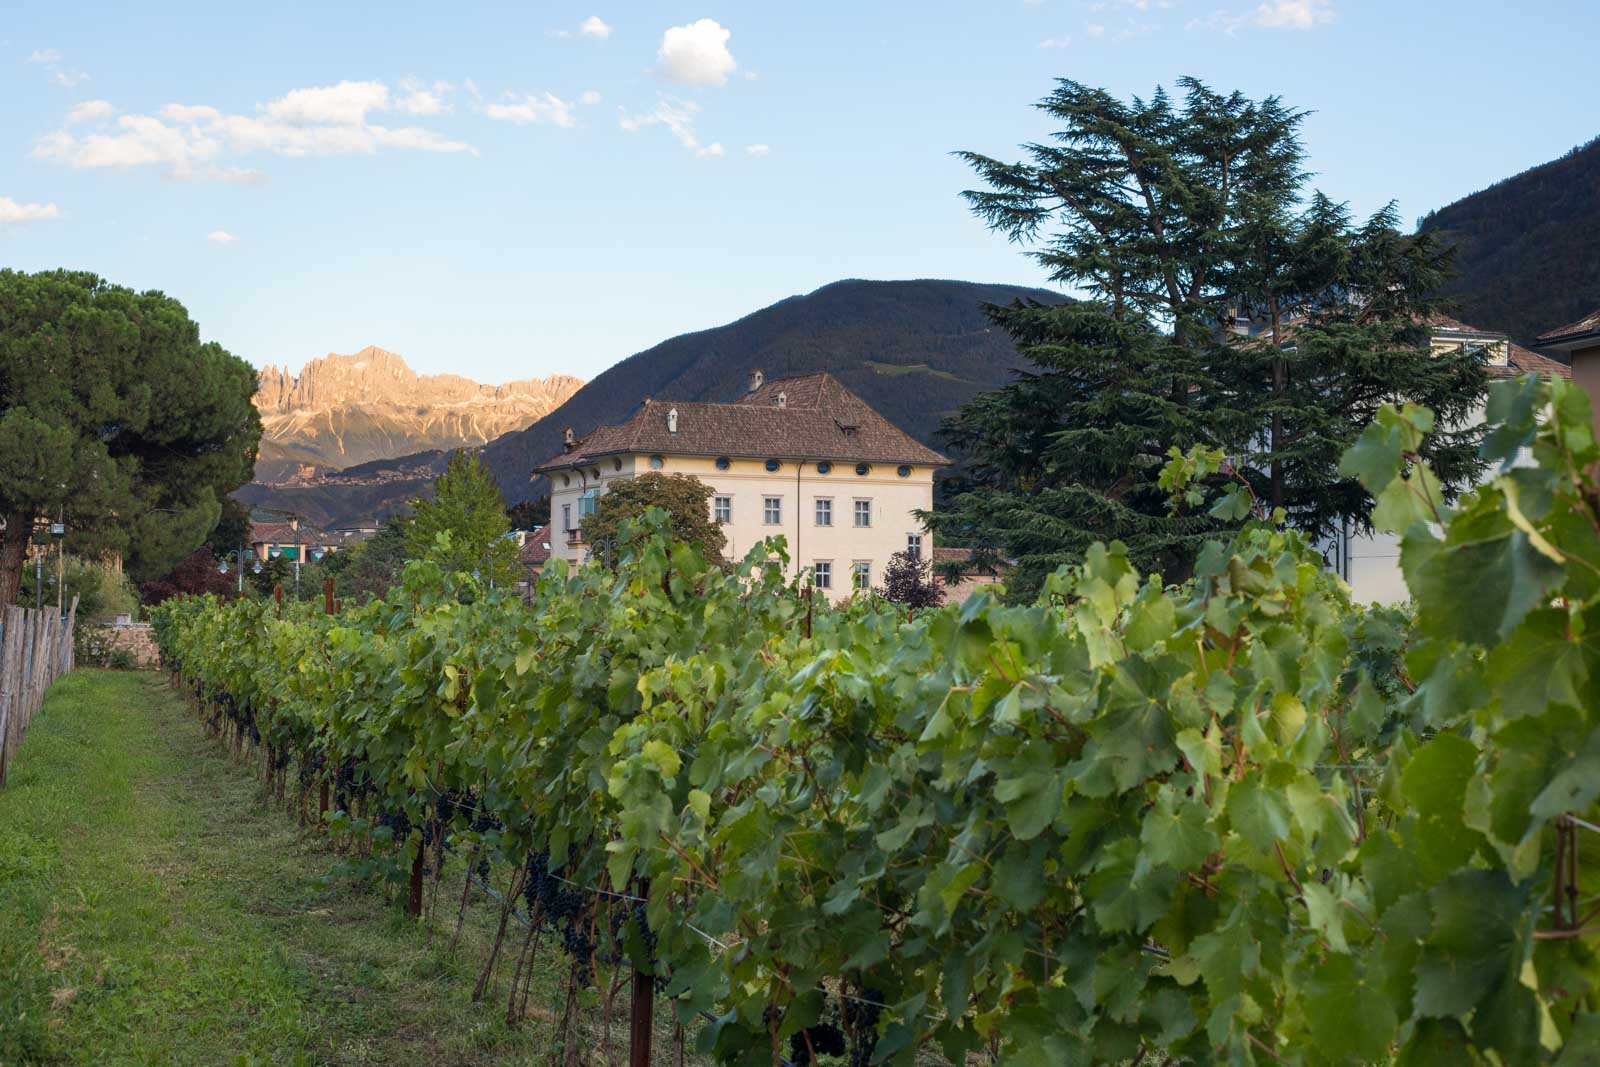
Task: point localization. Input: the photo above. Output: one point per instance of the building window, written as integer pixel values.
(822, 573)
(566, 516)
(904, 471)
(723, 463)
(914, 545)
(722, 509)
(824, 467)
(863, 468)
(773, 465)
(656, 463)
(772, 510)
(586, 504)
(824, 511)
(863, 513)
(861, 576)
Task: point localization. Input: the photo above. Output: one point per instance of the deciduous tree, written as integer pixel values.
(685, 499)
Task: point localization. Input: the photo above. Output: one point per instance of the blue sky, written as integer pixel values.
(507, 190)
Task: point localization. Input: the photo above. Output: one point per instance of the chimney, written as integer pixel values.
(756, 378)
(569, 442)
(672, 421)
(783, 399)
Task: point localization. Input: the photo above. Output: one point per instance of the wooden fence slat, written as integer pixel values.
(10, 684)
(37, 649)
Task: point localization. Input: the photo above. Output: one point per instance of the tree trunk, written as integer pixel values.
(13, 553)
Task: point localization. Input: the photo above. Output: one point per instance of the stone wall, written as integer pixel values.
(139, 640)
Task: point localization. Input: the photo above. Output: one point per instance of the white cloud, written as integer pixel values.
(590, 97)
(345, 104)
(221, 237)
(50, 60)
(90, 111)
(594, 26)
(13, 213)
(678, 116)
(420, 99)
(538, 108)
(757, 149)
(1095, 29)
(1270, 15)
(1293, 14)
(1056, 42)
(194, 140)
(696, 54)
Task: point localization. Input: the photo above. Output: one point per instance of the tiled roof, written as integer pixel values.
(1525, 361)
(951, 555)
(537, 548)
(1590, 323)
(1519, 360)
(818, 419)
(281, 533)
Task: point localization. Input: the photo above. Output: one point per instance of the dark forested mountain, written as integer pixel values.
(1528, 247)
(915, 350)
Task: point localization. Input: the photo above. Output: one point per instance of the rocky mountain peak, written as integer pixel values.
(342, 410)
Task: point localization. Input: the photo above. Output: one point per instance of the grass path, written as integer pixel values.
(154, 910)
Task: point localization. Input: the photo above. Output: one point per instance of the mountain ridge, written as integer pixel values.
(914, 349)
(1527, 247)
(345, 410)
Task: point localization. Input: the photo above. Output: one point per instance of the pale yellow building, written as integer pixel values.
(802, 458)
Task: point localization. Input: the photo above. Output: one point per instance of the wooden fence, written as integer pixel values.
(35, 649)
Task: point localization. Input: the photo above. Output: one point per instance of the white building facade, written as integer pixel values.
(802, 458)
(1370, 563)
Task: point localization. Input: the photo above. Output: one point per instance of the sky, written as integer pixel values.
(513, 190)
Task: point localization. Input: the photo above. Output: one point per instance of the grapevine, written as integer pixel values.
(1234, 819)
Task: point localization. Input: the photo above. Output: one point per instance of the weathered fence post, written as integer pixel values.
(10, 684)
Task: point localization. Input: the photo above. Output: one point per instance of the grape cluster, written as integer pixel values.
(564, 907)
(826, 1038)
(311, 764)
(398, 824)
(859, 1019)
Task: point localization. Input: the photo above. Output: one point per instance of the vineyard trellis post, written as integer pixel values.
(641, 1018)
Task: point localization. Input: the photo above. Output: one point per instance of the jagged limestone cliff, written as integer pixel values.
(343, 410)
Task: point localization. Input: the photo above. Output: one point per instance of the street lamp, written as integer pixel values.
(316, 554)
(57, 530)
(238, 555)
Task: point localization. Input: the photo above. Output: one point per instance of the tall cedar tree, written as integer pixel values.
(1175, 220)
(685, 499)
(467, 505)
(117, 418)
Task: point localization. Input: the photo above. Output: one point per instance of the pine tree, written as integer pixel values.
(116, 419)
(1174, 220)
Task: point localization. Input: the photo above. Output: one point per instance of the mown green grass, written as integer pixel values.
(155, 908)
